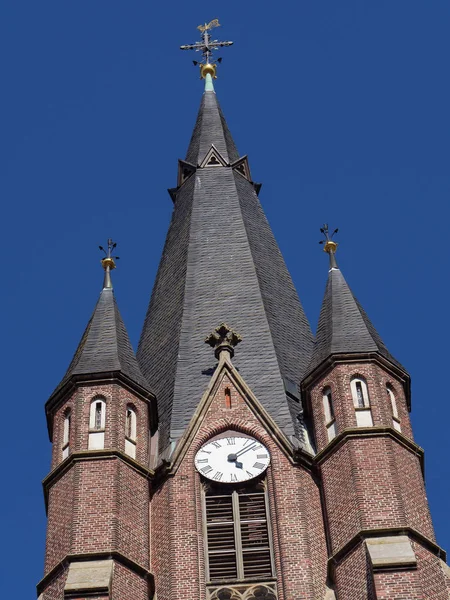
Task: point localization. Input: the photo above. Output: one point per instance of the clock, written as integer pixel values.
(232, 459)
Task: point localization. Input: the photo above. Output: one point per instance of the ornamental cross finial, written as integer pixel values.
(329, 245)
(207, 46)
(108, 263)
(223, 338)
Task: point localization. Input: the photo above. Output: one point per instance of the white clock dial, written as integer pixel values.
(232, 459)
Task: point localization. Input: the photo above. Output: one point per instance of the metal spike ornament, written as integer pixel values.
(330, 246)
(207, 46)
(108, 263)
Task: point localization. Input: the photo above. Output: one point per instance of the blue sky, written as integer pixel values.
(342, 108)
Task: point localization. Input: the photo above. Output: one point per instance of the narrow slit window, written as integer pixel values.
(66, 435)
(330, 420)
(227, 398)
(393, 401)
(97, 424)
(361, 402)
(98, 415)
(359, 394)
(130, 432)
(238, 540)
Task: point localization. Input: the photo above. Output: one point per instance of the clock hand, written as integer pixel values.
(249, 447)
(238, 464)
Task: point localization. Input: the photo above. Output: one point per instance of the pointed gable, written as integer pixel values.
(344, 327)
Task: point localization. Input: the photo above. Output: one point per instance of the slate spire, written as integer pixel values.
(344, 327)
(105, 349)
(221, 263)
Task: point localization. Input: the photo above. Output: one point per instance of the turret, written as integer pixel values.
(97, 493)
(381, 538)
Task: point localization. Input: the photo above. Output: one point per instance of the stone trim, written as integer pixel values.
(391, 552)
(364, 534)
(97, 556)
(83, 455)
(89, 576)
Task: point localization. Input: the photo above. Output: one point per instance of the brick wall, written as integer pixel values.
(372, 480)
(99, 503)
(297, 526)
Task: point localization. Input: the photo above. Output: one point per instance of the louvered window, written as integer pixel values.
(238, 537)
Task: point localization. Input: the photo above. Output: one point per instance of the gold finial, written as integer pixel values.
(329, 245)
(207, 46)
(223, 338)
(108, 263)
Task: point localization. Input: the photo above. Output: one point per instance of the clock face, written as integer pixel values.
(232, 459)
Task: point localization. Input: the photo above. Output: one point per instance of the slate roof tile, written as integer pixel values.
(105, 346)
(344, 327)
(221, 263)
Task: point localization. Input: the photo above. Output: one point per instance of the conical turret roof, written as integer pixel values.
(344, 327)
(105, 348)
(221, 263)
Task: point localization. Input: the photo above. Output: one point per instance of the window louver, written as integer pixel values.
(237, 535)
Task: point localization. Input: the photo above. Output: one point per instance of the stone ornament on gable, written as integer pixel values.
(223, 338)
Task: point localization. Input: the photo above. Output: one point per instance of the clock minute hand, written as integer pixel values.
(249, 447)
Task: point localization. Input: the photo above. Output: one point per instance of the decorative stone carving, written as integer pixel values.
(260, 591)
(223, 338)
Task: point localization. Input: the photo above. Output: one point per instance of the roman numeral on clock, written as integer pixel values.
(216, 445)
(262, 456)
(217, 476)
(231, 441)
(202, 460)
(206, 469)
(233, 477)
(258, 466)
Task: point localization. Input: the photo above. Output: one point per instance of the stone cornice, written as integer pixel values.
(87, 455)
(369, 432)
(116, 556)
(413, 534)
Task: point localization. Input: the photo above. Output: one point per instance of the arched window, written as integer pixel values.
(395, 418)
(97, 422)
(66, 434)
(238, 538)
(361, 402)
(330, 420)
(130, 432)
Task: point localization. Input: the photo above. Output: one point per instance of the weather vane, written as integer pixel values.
(330, 246)
(207, 46)
(108, 263)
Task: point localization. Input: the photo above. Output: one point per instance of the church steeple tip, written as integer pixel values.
(207, 65)
(329, 245)
(344, 328)
(108, 263)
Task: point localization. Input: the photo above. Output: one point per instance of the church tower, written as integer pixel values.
(234, 457)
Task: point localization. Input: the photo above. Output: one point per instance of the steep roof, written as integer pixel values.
(211, 130)
(221, 263)
(105, 346)
(344, 327)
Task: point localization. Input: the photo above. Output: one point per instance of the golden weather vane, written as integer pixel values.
(207, 46)
(210, 25)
